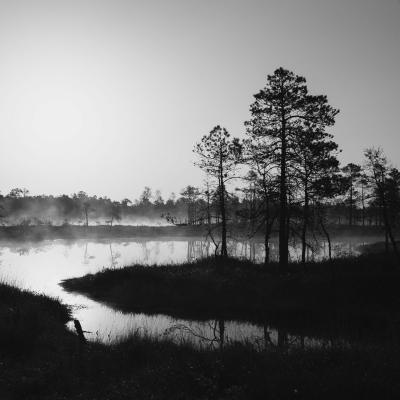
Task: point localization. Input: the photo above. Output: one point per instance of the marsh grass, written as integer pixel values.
(362, 295)
(46, 361)
(41, 359)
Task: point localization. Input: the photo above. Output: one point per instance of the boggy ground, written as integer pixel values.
(360, 297)
(41, 359)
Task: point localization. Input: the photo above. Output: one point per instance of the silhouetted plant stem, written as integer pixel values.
(304, 230)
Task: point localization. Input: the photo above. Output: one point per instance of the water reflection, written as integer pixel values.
(169, 251)
(219, 332)
(42, 266)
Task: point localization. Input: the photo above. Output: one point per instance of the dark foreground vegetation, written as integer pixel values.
(41, 359)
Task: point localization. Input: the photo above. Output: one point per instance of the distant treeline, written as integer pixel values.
(361, 205)
(20, 208)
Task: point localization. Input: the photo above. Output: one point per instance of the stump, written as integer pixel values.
(79, 330)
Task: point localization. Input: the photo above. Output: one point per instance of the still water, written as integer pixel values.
(40, 267)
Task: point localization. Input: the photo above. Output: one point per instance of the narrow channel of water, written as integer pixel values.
(40, 267)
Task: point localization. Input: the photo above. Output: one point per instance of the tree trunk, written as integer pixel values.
(351, 204)
(329, 251)
(304, 230)
(221, 325)
(386, 239)
(388, 228)
(363, 207)
(283, 246)
(266, 245)
(224, 252)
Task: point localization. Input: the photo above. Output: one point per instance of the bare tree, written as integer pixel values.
(2, 216)
(125, 202)
(87, 209)
(364, 187)
(158, 200)
(315, 170)
(146, 196)
(115, 212)
(189, 195)
(218, 157)
(353, 174)
(378, 168)
(264, 192)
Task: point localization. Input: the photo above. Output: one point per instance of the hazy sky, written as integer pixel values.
(111, 96)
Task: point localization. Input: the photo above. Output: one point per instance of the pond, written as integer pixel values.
(40, 267)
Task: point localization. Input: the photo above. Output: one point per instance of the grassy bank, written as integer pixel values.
(363, 297)
(41, 359)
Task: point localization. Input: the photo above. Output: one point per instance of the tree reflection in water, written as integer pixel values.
(114, 257)
(214, 333)
(254, 250)
(197, 249)
(86, 259)
(219, 333)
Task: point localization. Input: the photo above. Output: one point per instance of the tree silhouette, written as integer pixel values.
(115, 212)
(2, 215)
(283, 112)
(353, 173)
(218, 157)
(315, 167)
(393, 196)
(364, 186)
(87, 209)
(189, 195)
(378, 169)
(146, 196)
(125, 202)
(263, 191)
(158, 200)
(16, 193)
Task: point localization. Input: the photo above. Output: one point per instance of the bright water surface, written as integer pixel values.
(40, 267)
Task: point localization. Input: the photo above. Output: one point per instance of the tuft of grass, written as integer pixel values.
(26, 318)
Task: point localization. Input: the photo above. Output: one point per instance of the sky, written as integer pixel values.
(109, 96)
